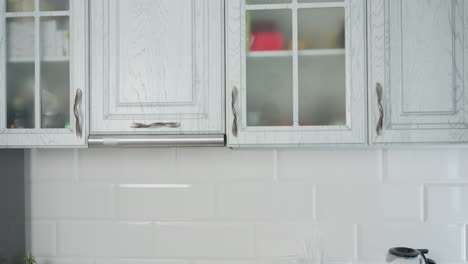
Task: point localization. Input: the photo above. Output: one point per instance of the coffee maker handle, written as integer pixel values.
(423, 259)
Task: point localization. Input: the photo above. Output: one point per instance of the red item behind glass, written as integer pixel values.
(266, 41)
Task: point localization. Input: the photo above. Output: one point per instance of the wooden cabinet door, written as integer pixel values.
(157, 63)
(43, 74)
(296, 72)
(418, 53)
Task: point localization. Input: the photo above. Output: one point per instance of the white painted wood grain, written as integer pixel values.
(154, 52)
(53, 138)
(352, 133)
(157, 61)
(417, 52)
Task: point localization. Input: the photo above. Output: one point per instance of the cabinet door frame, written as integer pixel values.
(353, 133)
(400, 125)
(51, 138)
(112, 113)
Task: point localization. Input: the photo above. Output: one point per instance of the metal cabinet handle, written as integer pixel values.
(379, 128)
(156, 125)
(234, 95)
(76, 112)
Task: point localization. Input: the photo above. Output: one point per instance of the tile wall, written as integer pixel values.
(215, 205)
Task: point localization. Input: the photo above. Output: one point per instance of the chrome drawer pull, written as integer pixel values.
(76, 112)
(379, 91)
(234, 95)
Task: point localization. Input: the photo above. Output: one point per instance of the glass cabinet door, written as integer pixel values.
(295, 76)
(37, 62)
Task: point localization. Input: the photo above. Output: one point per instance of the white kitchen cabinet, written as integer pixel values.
(296, 72)
(418, 52)
(157, 67)
(43, 73)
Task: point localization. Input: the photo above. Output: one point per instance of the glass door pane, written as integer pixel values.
(269, 68)
(55, 72)
(321, 66)
(54, 5)
(20, 72)
(20, 5)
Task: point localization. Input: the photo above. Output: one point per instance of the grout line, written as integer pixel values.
(423, 203)
(356, 243)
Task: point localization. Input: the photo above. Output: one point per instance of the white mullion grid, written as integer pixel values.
(37, 68)
(295, 54)
(294, 4)
(42, 13)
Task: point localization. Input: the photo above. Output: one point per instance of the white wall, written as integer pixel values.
(192, 206)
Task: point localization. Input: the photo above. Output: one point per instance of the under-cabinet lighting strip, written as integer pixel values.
(136, 141)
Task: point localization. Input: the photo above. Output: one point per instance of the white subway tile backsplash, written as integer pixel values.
(209, 240)
(174, 202)
(82, 239)
(71, 200)
(106, 239)
(329, 166)
(52, 165)
(101, 165)
(127, 165)
(213, 165)
(401, 202)
(337, 241)
(367, 203)
(349, 203)
(447, 203)
(416, 165)
(265, 201)
(445, 242)
(284, 239)
(43, 238)
(214, 205)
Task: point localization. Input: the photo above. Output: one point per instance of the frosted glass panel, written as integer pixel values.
(322, 90)
(321, 28)
(20, 5)
(54, 5)
(266, 2)
(20, 72)
(269, 91)
(269, 30)
(55, 72)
